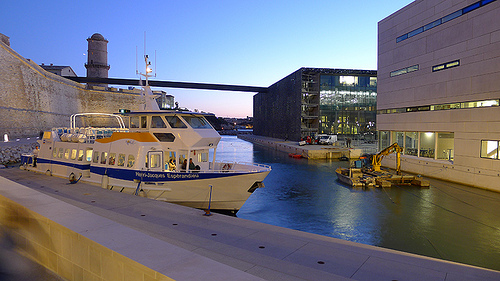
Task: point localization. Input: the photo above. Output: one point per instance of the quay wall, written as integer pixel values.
(79, 245)
(307, 151)
(66, 250)
(33, 100)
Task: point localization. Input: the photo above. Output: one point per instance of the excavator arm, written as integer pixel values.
(377, 158)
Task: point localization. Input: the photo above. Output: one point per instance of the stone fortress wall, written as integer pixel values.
(33, 100)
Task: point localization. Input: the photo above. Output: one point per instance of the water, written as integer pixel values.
(447, 221)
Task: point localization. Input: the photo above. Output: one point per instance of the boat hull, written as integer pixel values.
(222, 190)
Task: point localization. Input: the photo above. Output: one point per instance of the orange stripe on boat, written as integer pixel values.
(139, 136)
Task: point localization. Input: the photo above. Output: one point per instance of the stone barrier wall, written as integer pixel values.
(11, 153)
(33, 100)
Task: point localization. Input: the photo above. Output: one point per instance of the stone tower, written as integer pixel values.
(97, 57)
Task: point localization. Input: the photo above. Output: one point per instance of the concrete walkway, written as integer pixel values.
(231, 244)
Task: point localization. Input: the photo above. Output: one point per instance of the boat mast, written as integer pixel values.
(150, 103)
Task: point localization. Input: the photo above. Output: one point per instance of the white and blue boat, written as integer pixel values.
(133, 157)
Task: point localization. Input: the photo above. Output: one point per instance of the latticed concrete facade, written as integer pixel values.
(311, 101)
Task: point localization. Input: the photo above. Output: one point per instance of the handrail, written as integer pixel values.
(118, 118)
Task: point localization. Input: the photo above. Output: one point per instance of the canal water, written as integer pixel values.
(447, 221)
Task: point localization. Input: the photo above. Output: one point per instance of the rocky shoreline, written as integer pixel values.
(10, 153)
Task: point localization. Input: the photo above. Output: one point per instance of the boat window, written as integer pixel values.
(112, 157)
(175, 122)
(73, 154)
(155, 160)
(157, 122)
(61, 152)
(121, 160)
(144, 121)
(104, 156)
(134, 122)
(164, 137)
(182, 160)
(54, 153)
(66, 153)
(88, 154)
(131, 161)
(80, 155)
(197, 122)
(203, 157)
(96, 157)
(171, 157)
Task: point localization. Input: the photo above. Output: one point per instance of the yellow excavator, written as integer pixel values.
(377, 158)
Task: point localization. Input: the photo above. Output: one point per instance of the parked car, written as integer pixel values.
(326, 139)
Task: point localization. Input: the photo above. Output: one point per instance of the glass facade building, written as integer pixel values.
(348, 105)
(313, 101)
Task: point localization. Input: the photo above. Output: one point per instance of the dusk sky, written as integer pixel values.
(237, 42)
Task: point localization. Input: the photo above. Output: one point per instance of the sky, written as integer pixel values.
(237, 42)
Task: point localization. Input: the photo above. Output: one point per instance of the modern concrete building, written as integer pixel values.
(318, 100)
(439, 89)
(97, 57)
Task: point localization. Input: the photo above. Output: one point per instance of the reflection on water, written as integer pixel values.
(447, 221)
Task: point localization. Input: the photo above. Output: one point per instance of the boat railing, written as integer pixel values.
(85, 134)
(238, 167)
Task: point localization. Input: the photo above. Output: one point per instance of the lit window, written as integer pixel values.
(489, 149)
(112, 158)
(411, 143)
(445, 146)
(427, 144)
(131, 161)
(404, 70)
(104, 156)
(96, 157)
(121, 160)
(447, 65)
(88, 154)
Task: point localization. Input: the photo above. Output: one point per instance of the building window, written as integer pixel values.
(404, 70)
(445, 145)
(346, 106)
(444, 19)
(411, 143)
(422, 144)
(427, 144)
(489, 149)
(447, 65)
(457, 105)
(399, 138)
(384, 139)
